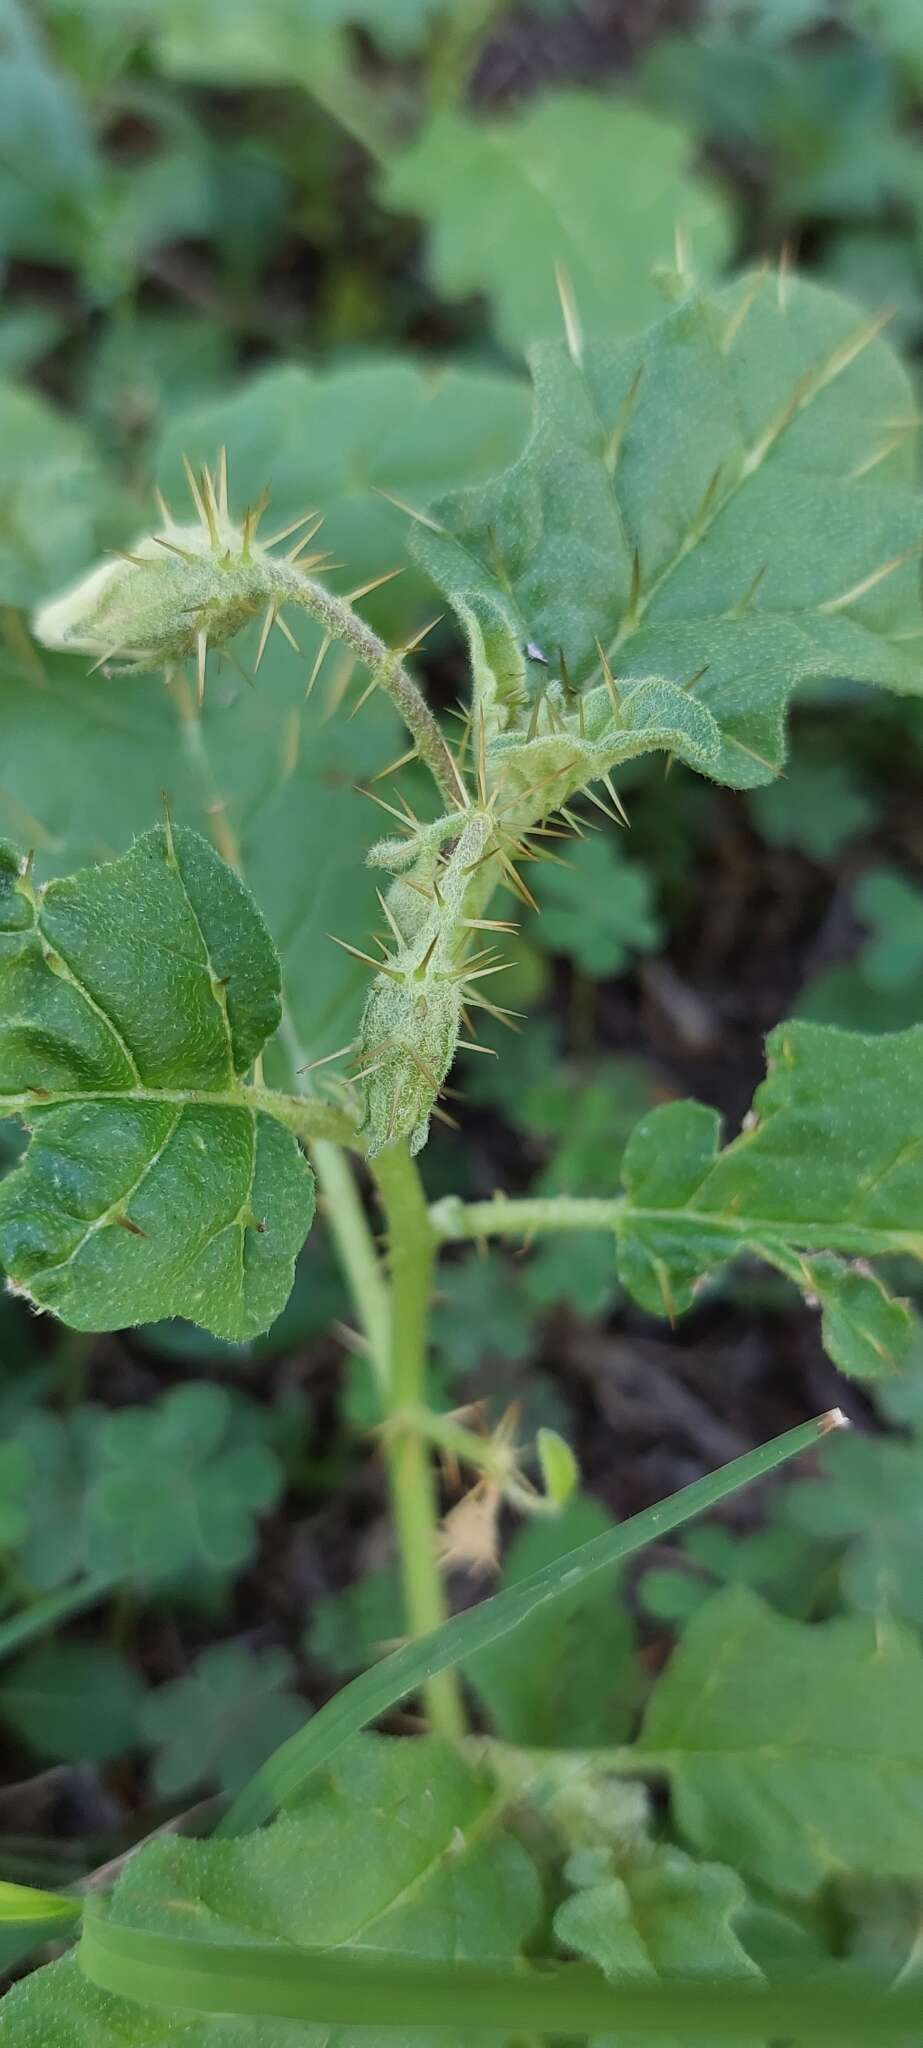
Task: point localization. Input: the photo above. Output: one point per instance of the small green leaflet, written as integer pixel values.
(221, 1720)
(133, 999)
(175, 1495)
(793, 1751)
(73, 1702)
(603, 189)
(598, 910)
(831, 1156)
(657, 1913)
(725, 507)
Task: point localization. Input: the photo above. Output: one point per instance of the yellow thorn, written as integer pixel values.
(362, 589)
(267, 627)
(410, 646)
(201, 644)
(393, 766)
(194, 490)
(410, 510)
(851, 596)
(286, 632)
(163, 508)
(569, 313)
(319, 659)
(223, 481)
(292, 527)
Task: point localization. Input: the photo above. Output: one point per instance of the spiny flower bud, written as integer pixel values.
(412, 1019)
(177, 591)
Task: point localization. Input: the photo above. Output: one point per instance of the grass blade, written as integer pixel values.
(374, 1691)
(350, 1987)
(21, 1906)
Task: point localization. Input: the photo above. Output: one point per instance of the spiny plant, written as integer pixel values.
(703, 518)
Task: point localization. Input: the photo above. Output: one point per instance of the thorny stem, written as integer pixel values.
(412, 1249)
(341, 623)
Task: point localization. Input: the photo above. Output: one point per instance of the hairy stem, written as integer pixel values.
(341, 623)
(311, 1119)
(412, 1248)
(453, 1219)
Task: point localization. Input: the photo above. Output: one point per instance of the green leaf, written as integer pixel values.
(266, 775)
(507, 199)
(724, 507)
(568, 1684)
(63, 1453)
(889, 903)
(869, 1500)
(598, 910)
(792, 1751)
(817, 806)
(219, 1722)
(16, 1472)
(174, 1492)
(53, 496)
(338, 439)
(73, 1702)
(829, 1159)
(400, 1849)
(660, 1914)
(350, 1630)
(468, 1634)
(133, 998)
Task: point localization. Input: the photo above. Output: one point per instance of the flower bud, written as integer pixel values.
(413, 1013)
(146, 609)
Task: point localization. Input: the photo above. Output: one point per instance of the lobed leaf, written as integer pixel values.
(725, 507)
(400, 1850)
(831, 1157)
(507, 199)
(133, 998)
(763, 1773)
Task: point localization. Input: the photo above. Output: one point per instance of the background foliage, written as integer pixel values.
(323, 233)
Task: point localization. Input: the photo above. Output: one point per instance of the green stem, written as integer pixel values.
(452, 1218)
(483, 1452)
(412, 1249)
(356, 1251)
(311, 1119)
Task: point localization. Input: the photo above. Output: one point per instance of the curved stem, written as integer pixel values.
(412, 1247)
(340, 622)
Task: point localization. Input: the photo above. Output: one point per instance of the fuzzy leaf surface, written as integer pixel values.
(506, 200)
(400, 1848)
(133, 998)
(726, 506)
(793, 1751)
